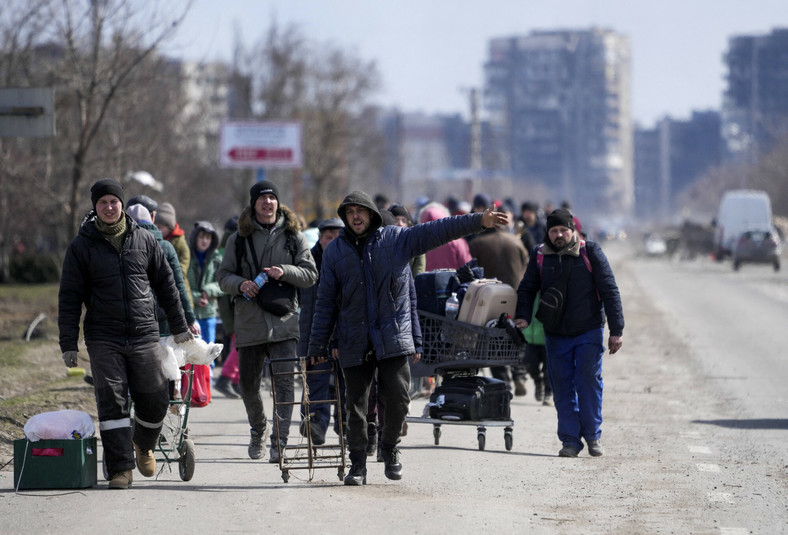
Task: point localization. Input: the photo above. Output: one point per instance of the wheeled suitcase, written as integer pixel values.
(471, 398)
(485, 300)
(432, 290)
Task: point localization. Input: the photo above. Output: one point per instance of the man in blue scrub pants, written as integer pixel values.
(574, 348)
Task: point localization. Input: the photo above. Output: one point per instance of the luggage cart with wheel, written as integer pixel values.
(174, 444)
(307, 455)
(457, 349)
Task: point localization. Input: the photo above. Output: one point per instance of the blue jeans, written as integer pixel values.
(208, 333)
(574, 366)
(208, 329)
(320, 387)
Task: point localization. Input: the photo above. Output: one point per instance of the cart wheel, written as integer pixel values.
(186, 460)
(285, 475)
(436, 432)
(508, 440)
(482, 440)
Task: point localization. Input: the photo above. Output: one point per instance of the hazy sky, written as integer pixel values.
(427, 51)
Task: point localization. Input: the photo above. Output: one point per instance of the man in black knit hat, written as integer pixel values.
(575, 347)
(113, 267)
(268, 239)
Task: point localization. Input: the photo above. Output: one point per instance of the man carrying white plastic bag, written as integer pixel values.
(114, 268)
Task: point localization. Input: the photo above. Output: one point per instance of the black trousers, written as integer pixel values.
(120, 370)
(251, 367)
(394, 378)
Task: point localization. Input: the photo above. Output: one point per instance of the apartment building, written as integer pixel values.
(559, 108)
(755, 100)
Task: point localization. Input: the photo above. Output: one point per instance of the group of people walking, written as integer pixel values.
(351, 298)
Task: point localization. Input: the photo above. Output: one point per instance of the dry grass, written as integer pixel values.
(34, 378)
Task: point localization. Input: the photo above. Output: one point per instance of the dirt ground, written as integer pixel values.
(34, 378)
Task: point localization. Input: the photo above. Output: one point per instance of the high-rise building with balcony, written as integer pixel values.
(559, 107)
(755, 101)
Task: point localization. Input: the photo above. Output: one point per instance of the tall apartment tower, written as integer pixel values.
(755, 101)
(559, 106)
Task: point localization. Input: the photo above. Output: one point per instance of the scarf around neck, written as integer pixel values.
(114, 233)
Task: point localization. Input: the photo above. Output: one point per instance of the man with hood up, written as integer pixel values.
(574, 349)
(364, 299)
(270, 238)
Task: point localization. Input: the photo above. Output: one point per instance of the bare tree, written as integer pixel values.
(326, 89)
(105, 42)
(340, 85)
(21, 24)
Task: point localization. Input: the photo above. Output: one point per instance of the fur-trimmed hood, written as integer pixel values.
(285, 217)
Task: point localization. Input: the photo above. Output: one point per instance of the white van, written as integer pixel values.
(741, 210)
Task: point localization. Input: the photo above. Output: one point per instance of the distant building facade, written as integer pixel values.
(670, 157)
(213, 92)
(559, 107)
(755, 100)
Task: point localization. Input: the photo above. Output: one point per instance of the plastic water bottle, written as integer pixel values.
(452, 306)
(259, 280)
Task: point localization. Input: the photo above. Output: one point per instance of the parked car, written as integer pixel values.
(655, 245)
(740, 211)
(757, 247)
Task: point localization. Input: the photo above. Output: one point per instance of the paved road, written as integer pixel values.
(673, 464)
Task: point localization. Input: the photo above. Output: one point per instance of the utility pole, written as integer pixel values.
(476, 133)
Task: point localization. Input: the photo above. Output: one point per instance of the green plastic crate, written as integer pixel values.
(73, 466)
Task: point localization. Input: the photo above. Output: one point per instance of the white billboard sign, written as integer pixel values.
(250, 144)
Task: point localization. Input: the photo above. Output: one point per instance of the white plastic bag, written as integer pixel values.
(59, 425)
(196, 350)
(172, 358)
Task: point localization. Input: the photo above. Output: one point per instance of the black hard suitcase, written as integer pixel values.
(433, 288)
(471, 398)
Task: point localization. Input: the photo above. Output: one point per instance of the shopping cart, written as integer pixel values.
(307, 455)
(453, 348)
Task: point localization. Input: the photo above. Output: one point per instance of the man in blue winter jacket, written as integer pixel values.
(575, 348)
(364, 299)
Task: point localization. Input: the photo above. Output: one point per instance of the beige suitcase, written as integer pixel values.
(486, 300)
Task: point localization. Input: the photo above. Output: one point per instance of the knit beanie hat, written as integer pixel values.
(106, 186)
(482, 200)
(139, 213)
(261, 188)
(165, 215)
(397, 210)
(560, 218)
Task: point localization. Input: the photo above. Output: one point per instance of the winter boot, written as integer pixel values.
(121, 480)
(222, 384)
(595, 448)
(358, 469)
(146, 462)
(274, 452)
(539, 393)
(393, 468)
(372, 439)
(256, 445)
